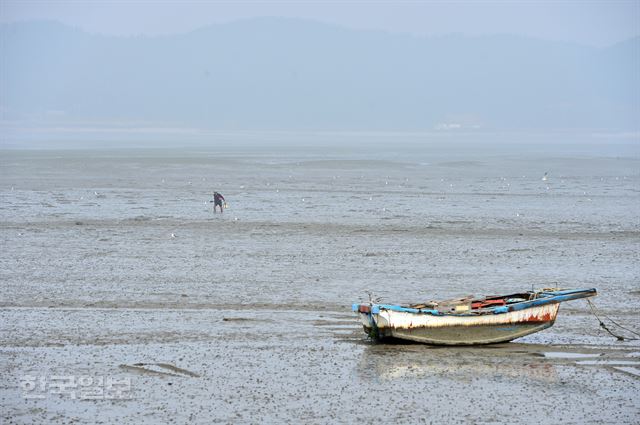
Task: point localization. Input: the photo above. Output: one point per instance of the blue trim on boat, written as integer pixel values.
(375, 308)
(546, 297)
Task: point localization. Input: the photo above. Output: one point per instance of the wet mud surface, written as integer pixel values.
(114, 266)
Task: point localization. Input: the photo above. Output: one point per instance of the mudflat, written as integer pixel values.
(119, 280)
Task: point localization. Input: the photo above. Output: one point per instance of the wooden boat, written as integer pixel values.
(467, 321)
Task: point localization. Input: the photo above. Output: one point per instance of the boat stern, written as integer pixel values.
(366, 318)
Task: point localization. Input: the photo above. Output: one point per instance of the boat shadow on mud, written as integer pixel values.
(397, 359)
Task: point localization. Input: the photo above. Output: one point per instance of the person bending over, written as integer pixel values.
(218, 200)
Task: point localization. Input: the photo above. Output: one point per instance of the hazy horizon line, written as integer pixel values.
(319, 22)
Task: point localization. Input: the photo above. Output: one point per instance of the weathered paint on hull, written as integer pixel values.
(461, 330)
(462, 335)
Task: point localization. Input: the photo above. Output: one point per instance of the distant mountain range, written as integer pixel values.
(273, 74)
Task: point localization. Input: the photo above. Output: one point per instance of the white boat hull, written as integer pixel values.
(459, 329)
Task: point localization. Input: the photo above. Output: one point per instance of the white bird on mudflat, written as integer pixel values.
(173, 235)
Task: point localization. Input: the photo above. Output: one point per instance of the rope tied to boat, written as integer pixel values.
(604, 326)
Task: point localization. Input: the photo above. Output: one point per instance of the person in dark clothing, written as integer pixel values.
(218, 200)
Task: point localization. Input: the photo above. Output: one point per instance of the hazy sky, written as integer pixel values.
(596, 22)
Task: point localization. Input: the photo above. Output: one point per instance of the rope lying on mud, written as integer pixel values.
(603, 326)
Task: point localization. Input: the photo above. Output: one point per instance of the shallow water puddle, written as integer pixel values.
(608, 362)
(567, 355)
(631, 370)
